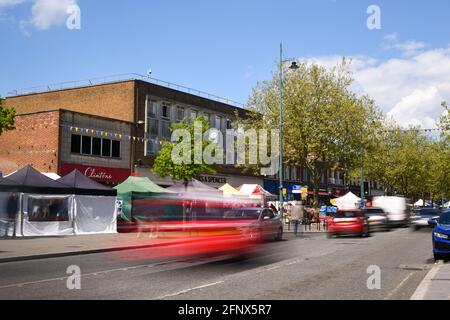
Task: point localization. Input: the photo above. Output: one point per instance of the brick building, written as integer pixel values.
(109, 130)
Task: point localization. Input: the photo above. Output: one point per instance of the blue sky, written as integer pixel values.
(225, 47)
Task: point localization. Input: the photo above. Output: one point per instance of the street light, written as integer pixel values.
(293, 66)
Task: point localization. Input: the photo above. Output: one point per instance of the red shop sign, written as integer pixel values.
(101, 174)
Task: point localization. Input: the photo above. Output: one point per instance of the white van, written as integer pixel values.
(395, 208)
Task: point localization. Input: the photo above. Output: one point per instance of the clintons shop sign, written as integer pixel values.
(101, 174)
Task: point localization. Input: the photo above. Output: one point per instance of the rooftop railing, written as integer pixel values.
(120, 78)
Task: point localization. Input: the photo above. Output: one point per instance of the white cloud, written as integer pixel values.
(391, 37)
(410, 48)
(48, 13)
(410, 89)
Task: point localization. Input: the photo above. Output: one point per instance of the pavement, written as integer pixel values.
(435, 285)
(30, 248)
(308, 267)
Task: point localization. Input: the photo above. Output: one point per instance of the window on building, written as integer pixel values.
(180, 113)
(194, 114)
(229, 124)
(106, 148)
(305, 175)
(96, 146)
(165, 111)
(151, 147)
(286, 173)
(152, 128)
(151, 109)
(293, 173)
(218, 123)
(165, 130)
(75, 144)
(93, 146)
(115, 149)
(207, 116)
(86, 142)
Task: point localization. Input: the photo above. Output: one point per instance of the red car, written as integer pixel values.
(348, 222)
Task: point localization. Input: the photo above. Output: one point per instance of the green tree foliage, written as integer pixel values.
(164, 165)
(6, 117)
(325, 125)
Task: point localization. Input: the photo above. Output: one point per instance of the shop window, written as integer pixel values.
(96, 146)
(115, 149)
(75, 143)
(106, 148)
(86, 142)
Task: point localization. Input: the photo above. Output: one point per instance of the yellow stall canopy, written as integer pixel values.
(229, 191)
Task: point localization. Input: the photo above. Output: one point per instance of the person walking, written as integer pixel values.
(12, 209)
(296, 215)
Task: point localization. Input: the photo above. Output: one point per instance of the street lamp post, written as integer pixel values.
(280, 167)
(362, 204)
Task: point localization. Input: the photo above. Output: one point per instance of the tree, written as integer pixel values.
(401, 161)
(165, 165)
(6, 117)
(325, 125)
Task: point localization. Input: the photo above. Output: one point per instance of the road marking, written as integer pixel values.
(398, 286)
(21, 284)
(190, 289)
(423, 287)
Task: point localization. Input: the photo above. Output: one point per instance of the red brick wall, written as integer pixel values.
(115, 100)
(34, 141)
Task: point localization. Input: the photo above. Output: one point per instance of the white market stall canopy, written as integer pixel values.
(349, 201)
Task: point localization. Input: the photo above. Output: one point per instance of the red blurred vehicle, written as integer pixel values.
(348, 222)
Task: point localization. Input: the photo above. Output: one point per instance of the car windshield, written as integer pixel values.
(345, 214)
(243, 214)
(445, 218)
(427, 212)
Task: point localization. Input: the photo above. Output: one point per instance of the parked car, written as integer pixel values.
(420, 217)
(441, 235)
(348, 222)
(267, 224)
(377, 218)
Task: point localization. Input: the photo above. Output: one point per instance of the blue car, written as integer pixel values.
(441, 235)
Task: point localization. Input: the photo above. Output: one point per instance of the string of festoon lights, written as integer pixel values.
(106, 134)
(121, 136)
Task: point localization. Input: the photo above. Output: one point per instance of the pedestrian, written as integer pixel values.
(296, 215)
(307, 219)
(12, 208)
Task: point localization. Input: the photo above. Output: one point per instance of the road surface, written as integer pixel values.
(307, 267)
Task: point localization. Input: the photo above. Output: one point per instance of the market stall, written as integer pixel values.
(94, 210)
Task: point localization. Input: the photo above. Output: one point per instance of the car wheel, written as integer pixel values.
(437, 256)
(417, 228)
(279, 235)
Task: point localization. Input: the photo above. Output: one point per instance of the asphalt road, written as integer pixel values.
(307, 267)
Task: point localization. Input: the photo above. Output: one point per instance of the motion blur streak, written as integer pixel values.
(195, 227)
